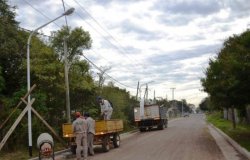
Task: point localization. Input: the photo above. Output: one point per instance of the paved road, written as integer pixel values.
(185, 139)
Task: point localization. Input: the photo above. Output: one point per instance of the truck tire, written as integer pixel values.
(142, 129)
(160, 125)
(105, 143)
(73, 149)
(116, 140)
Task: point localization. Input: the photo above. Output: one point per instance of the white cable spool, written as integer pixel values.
(44, 138)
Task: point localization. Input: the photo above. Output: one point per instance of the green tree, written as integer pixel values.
(206, 105)
(47, 72)
(77, 40)
(82, 87)
(228, 76)
(81, 83)
(12, 49)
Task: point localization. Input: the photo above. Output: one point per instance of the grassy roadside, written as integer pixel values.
(18, 155)
(23, 154)
(241, 134)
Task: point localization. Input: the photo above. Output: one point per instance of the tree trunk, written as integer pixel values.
(233, 118)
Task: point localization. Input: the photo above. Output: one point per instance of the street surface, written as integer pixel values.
(186, 138)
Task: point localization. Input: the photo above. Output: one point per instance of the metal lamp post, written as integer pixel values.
(68, 12)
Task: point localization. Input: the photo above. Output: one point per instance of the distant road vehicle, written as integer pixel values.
(186, 114)
(153, 116)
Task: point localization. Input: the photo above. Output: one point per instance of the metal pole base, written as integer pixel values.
(30, 151)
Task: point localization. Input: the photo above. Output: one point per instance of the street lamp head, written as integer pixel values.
(69, 11)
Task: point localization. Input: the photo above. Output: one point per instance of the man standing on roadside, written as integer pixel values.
(80, 131)
(106, 108)
(90, 133)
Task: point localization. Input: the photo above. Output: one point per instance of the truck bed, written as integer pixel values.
(101, 127)
(110, 126)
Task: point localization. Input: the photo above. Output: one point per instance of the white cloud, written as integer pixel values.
(168, 42)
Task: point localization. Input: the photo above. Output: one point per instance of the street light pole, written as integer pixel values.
(182, 108)
(68, 12)
(173, 104)
(172, 93)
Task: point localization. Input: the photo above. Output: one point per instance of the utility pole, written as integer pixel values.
(182, 108)
(66, 69)
(173, 105)
(154, 97)
(146, 93)
(101, 75)
(172, 93)
(137, 90)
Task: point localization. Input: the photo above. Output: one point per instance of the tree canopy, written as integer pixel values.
(77, 40)
(227, 77)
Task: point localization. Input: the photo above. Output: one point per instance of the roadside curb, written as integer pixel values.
(240, 149)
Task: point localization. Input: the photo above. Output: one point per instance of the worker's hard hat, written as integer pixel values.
(98, 98)
(77, 114)
(86, 114)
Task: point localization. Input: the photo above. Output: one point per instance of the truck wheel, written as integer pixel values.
(116, 140)
(160, 126)
(105, 144)
(142, 129)
(73, 149)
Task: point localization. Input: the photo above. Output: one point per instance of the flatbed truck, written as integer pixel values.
(153, 116)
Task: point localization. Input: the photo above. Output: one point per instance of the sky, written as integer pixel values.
(163, 43)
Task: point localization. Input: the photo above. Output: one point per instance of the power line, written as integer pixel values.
(67, 25)
(94, 28)
(103, 36)
(97, 31)
(85, 58)
(123, 51)
(105, 72)
(65, 15)
(40, 12)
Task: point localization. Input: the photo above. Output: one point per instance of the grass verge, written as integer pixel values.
(23, 154)
(241, 134)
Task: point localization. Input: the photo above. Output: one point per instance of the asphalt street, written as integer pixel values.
(187, 138)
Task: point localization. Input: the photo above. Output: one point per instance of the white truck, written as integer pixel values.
(148, 116)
